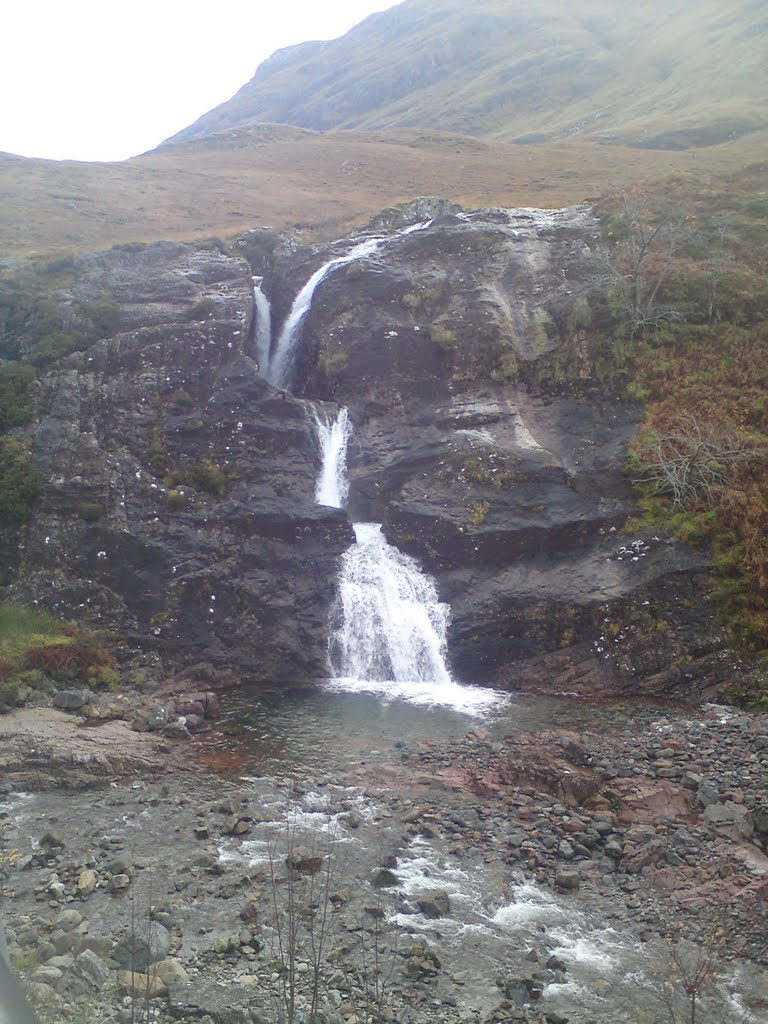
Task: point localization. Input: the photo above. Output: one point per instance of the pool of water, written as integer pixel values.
(324, 729)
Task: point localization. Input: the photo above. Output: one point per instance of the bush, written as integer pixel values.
(91, 511)
(20, 481)
(15, 380)
(203, 476)
(201, 310)
(443, 336)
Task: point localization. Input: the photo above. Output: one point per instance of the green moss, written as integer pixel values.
(15, 381)
(39, 651)
(580, 314)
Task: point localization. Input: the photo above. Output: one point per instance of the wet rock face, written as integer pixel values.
(487, 440)
(178, 504)
(487, 296)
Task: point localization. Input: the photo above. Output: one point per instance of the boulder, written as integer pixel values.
(434, 903)
(147, 943)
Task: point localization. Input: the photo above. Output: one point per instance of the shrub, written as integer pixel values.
(15, 380)
(332, 363)
(201, 310)
(478, 513)
(20, 481)
(204, 476)
(443, 336)
(91, 511)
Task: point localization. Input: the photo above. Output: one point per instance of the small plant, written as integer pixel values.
(91, 511)
(203, 476)
(332, 363)
(443, 336)
(201, 310)
(478, 513)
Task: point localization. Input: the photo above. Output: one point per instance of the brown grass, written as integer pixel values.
(320, 184)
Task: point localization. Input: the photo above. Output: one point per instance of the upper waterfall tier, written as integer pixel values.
(280, 368)
(263, 325)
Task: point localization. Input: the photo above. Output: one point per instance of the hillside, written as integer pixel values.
(318, 184)
(650, 75)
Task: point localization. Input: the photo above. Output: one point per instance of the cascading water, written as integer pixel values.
(279, 369)
(332, 485)
(389, 627)
(263, 325)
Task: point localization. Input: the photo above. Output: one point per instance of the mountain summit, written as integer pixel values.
(685, 73)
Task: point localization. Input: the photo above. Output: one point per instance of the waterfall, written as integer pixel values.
(388, 630)
(284, 357)
(281, 366)
(263, 326)
(332, 485)
(391, 626)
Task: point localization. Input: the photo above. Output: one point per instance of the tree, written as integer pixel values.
(691, 462)
(641, 262)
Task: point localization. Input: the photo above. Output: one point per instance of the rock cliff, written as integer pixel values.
(178, 503)
(489, 437)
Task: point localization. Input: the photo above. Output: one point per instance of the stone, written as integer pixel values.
(147, 943)
(434, 903)
(383, 878)
(141, 985)
(731, 819)
(223, 1003)
(118, 883)
(170, 971)
(567, 881)
(71, 699)
(53, 840)
(91, 969)
(86, 882)
(304, 860)
(67, 920)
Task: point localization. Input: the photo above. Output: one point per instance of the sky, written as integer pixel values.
(103, 80)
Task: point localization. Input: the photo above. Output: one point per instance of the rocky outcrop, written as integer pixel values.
(490, 437)
(178, 501)
(474, 353)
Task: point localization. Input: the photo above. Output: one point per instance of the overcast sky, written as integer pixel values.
(102, 80)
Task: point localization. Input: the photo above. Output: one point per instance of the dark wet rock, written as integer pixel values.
(567, 881)
(383, 878)
(178, 502)
(434, 903)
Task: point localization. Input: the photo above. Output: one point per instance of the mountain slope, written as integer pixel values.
(665, 76)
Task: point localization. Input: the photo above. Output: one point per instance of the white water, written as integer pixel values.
(332, 484)
(279, 369)
(389, 631)
(391, 626)
(263, 325)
